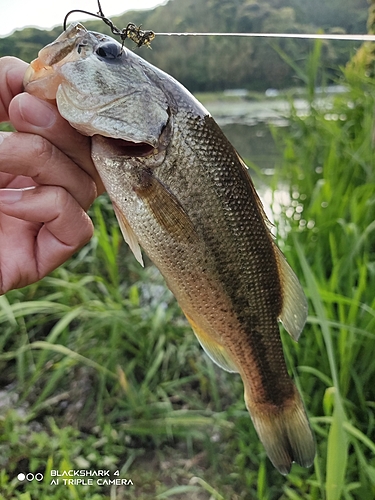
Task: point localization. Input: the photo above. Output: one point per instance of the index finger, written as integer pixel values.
(32, 115)
(11, 76)
(28, 114)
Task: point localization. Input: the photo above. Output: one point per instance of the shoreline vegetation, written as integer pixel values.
(100, 370)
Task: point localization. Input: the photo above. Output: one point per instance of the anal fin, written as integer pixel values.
(212, 348)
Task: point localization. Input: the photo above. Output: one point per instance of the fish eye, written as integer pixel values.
(109, 50)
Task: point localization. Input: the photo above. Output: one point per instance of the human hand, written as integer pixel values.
(47, 182)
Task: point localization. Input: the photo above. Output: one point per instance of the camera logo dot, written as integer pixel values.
(30, 477)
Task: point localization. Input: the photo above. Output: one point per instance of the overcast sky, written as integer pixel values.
(16, 14)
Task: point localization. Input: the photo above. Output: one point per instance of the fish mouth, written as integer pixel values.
(41, 80)
(116, 147)
(42, 77)
(122, 147)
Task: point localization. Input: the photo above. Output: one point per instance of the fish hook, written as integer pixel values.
(133, 32)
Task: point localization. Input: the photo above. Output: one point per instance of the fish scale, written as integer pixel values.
(182, 194)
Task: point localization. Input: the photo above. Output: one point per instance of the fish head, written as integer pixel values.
(101, 88)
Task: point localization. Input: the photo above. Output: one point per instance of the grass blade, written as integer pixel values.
(337, 452)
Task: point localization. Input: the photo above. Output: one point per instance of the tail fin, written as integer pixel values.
(285, 432)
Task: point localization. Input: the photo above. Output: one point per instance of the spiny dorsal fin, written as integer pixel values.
(294, 312)
(255, 195)
(128, 234)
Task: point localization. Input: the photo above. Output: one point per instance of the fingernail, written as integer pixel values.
(2, 137)
(36, 112)
(9, 196)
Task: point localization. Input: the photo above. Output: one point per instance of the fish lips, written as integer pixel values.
(42, 77)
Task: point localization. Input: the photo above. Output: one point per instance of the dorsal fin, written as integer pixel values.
(294, 312)
(255, 195)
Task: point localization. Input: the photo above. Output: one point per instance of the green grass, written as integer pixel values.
(101, 371)
(329, 167)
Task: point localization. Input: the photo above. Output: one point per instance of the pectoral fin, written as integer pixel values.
(128, 234)
(294, 312)
(212, 348)
(167, 210)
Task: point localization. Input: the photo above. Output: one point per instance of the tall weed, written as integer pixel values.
(329, 172)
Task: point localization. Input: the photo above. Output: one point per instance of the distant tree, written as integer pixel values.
(202, 63)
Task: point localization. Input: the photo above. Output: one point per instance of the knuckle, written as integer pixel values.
(62, 200)
(43, 151)
(75, 226)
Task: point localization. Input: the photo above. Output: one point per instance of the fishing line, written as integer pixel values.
(141, 37)
(309, 36)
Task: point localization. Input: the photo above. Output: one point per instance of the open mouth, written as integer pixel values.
(122, 147)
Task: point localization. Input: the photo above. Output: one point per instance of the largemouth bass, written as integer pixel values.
(182, 193)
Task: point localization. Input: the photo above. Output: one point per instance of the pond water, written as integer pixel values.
(254, 143)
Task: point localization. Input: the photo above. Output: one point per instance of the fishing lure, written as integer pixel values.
(133, 32)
